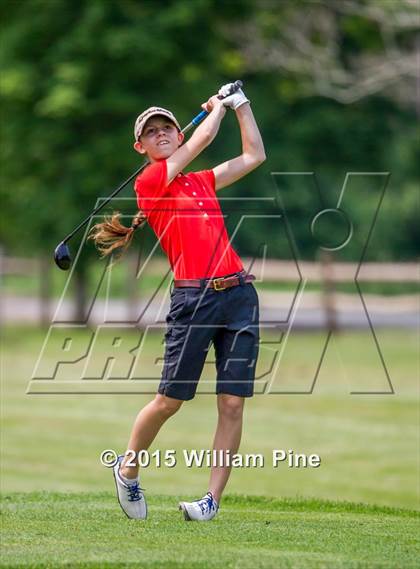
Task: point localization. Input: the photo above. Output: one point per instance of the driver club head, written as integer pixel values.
(62, 256)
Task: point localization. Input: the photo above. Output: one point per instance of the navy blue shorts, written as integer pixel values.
(198, 318)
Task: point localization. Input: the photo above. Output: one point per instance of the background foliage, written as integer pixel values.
(331, 90)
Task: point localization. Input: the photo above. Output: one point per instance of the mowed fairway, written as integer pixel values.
(83, 530)
(58, 500)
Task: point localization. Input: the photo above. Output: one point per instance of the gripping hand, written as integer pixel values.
(232, 101)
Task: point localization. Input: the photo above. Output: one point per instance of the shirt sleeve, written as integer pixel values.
(151, 184)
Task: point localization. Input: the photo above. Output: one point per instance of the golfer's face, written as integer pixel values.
(160, 138)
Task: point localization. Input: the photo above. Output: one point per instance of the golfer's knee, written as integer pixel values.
(230, 407)
(166, 406)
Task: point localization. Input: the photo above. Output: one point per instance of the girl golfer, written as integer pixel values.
(213, 299)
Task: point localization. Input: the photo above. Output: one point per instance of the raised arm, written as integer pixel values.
(253, 153)
(202, 137)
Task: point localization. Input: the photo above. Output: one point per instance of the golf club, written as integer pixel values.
(62, 255)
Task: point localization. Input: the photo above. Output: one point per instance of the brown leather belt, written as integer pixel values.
(219, 283)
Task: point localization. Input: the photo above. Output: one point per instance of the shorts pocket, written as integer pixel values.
(178, 302)
(252, 292)
(177, 298)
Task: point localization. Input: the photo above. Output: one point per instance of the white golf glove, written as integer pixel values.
(232, 101)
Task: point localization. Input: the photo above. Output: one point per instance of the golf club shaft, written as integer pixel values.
(196, 121)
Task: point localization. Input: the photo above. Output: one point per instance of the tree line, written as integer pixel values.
(331, 84)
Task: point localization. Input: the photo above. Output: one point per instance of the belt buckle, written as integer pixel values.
(218, 284)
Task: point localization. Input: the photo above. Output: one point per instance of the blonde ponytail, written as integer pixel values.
(111, 234)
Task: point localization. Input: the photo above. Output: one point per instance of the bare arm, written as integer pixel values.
(253, 153)
(202, 137)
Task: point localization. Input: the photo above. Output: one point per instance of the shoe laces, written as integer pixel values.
(133, 491)
(207, 504)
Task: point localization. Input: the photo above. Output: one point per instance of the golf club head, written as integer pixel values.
(62, 256)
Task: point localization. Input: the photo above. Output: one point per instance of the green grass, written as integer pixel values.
(368, 444)
(89, 530)
(357, 510)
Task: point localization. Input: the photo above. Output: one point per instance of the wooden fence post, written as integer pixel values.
(44, 290)
(132, 286)
(328, 289)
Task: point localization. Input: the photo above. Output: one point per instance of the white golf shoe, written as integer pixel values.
(130, 496)
(202, 510)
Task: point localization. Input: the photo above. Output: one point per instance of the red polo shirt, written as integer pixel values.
(186, 218)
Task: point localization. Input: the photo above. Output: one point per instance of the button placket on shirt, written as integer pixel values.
(205, 214)
(200, 203)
